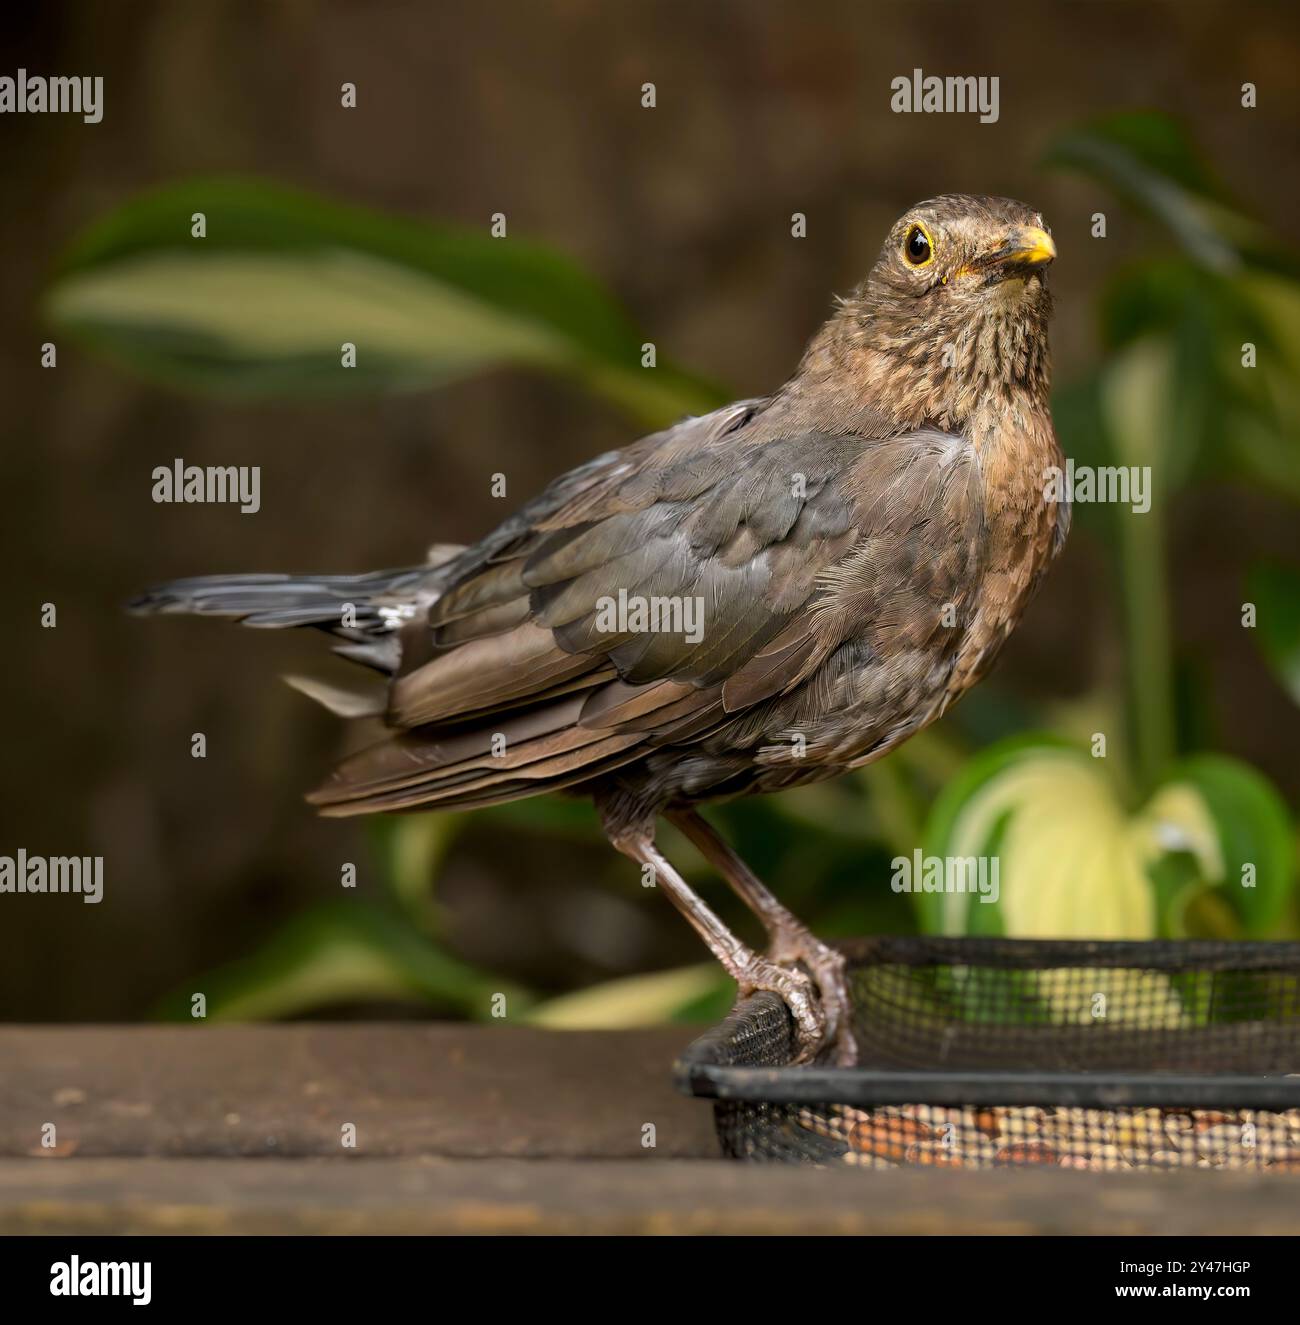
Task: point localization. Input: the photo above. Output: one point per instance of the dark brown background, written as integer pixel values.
(531, 109)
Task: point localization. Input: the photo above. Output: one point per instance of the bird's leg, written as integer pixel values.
(791, 939)
(752, 971)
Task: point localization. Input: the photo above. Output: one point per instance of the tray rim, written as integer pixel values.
(1028, 954)
(697, 1071)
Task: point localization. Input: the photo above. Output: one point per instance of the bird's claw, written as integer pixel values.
(797, 990)
(827, 967)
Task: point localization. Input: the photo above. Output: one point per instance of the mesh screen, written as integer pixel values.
(929, 1008)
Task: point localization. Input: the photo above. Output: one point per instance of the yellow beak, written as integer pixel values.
(1028, 245)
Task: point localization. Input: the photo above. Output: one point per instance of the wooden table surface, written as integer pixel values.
(480, 1129)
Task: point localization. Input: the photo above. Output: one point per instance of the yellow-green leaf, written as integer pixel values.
(638, 1000)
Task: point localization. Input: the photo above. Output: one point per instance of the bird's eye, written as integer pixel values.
(916, 247)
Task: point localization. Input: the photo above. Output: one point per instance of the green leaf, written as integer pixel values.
(343, 952)
(1074, 863)
(1067, 865)
(637, 1000)
(1275, 591)
(409, 851)
(1255, 836)
(1151, 163)
(1137, 394)
(1155, 144)
(262, 305)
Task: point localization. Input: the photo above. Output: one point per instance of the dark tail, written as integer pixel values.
(367, 611)
(367, 603)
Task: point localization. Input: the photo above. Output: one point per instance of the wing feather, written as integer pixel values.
(789, 543)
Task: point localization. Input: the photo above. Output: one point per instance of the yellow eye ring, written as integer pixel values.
(918, 248)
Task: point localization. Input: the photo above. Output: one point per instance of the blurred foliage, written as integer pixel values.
(262, 303)
(1158, 837)
(1214, 838)
(346, 952)
(1275, 593)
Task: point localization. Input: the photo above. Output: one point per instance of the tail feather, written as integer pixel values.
(355, 699)
(287, 600)
(365, 610)
(300, 600)
(381, 619)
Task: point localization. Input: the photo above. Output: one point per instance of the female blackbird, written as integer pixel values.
(756, 599)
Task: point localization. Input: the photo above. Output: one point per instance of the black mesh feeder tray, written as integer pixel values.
(988, 1053)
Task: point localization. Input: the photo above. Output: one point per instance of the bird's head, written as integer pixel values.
(956, 308)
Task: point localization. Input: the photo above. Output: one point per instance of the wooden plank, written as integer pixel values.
(408, 1088)
(482, 1129)
(650, 1195)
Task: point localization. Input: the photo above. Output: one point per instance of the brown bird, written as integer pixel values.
(760, 598)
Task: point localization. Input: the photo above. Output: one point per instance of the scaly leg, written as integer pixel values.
(791, 940)
(750, 970)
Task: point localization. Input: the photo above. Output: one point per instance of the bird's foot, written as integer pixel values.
(827, 966)
(796, 988)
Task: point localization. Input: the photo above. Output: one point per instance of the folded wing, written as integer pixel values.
(752, 557)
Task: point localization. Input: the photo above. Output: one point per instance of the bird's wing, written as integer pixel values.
(760, 555)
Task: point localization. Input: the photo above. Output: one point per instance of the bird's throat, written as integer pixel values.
(945, 372)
